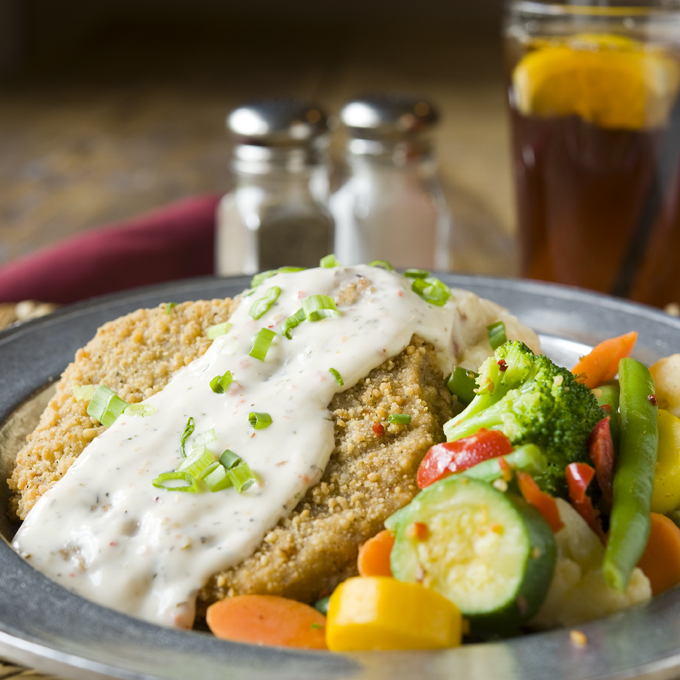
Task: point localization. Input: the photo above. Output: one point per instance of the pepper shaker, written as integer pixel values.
(391, 205)
(277, 214)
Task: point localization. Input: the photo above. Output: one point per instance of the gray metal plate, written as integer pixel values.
(49, 628)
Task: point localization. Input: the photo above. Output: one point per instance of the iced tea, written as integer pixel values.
(596, 145)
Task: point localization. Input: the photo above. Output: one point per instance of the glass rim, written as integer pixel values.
(556, 9)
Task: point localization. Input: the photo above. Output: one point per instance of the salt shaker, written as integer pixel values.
(277, 214)
(391, 205)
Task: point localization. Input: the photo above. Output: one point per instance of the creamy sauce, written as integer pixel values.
(105, 532)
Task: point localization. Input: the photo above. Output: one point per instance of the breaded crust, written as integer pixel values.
(367, 479)
(135, 356)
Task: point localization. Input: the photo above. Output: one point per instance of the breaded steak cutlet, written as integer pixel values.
(135, 356)
(368, 478)
(372, 469)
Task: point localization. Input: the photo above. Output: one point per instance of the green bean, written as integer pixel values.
(634, 476)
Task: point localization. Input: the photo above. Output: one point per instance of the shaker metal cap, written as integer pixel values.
(388, 115)
(277, 122)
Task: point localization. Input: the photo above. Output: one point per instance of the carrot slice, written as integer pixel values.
(543, 502)
(660, 561)
(374, 555)
(267, 620)
(602, 363)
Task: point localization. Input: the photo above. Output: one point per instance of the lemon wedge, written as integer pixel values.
(607, 80)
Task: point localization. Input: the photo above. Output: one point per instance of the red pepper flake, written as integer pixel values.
(418, 530)
(607, 408)
(379, 430)
(506, 469)
(502, 365)
(652, 399)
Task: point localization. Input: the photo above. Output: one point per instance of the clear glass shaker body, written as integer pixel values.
(391, 207)
(275, 216)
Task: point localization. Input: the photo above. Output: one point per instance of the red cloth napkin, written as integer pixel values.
(174, 242)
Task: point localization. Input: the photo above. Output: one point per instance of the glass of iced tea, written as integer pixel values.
(593, 93)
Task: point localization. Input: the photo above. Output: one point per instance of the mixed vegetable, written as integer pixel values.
(552, 486)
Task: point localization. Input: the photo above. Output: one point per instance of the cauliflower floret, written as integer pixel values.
(578, 592)
(666, 374)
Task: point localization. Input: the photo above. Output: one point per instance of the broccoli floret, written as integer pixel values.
(532, 401)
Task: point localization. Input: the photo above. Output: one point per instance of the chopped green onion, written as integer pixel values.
(329, 261)
(319, 307)
(188, 431)
(261, 306)
(83, 392)
(263, 276)
(218, 478)
(164, 481)
(416, 274)
(229, 459)
(211, 468)
(242, 477)
(205, 438)
(197, 461)
(259, 420)
(220, 383)
(169, 306)
(106, 406)
(432, 290)
(139, 410)
(382, 263)
(217, 330)
(462, 383)
(316, 626)
(399, 418)
(263, 341)
(292, 322)
(496, 333)
(337, 376)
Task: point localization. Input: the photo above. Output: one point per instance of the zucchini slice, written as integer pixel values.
(490, 553)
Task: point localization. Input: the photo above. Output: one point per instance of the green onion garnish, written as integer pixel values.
(329, 261)
(242, 477)
(263, 341)
(259, 307)
(83, 392)
(462, 383)
(496, 333)
(337, 376)
(432, 290)
(105, 406)
(322, 605)
(384, 264)
(197, 461)
(291, 322)
(259, 420)
(206, 471)
(319, 307)
(139, 410)
(165, 481)
(220, 383)
(218, 478)
(169, 306)
(204, 438)
(217, 330)
(399, 418)
(416, 274)
(263, 276)
(229, 459)
(188, 431)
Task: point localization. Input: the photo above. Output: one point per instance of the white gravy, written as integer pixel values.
(105, 532)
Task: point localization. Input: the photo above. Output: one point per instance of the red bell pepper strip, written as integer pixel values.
(601, 449)
(579, 476)
(448, 458)
(543, 502)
